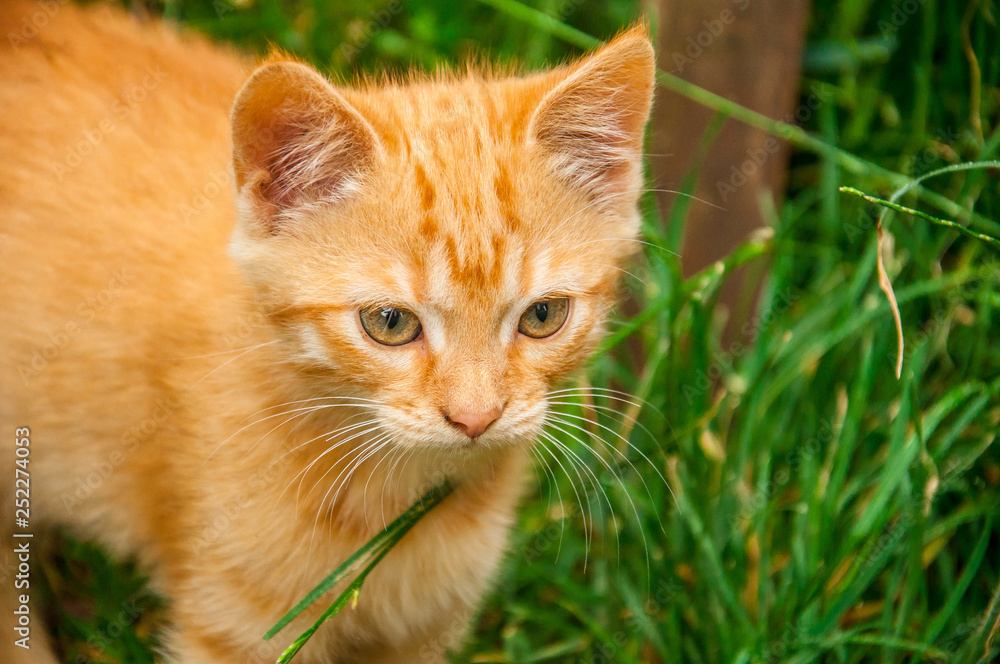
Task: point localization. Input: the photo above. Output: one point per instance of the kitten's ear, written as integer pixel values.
(592, 122)
(296, 142)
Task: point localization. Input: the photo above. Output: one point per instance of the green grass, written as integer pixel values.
(818, 508)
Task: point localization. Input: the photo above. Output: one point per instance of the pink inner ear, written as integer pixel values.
(593, 149)
(311, 162)
(296, 142)
(592, 123)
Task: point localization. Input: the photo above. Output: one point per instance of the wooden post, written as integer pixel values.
(750, 52)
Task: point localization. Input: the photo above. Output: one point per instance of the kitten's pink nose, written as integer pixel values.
(472, 424)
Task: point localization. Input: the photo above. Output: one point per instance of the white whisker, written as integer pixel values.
(351, 466)
(370, 427)
(595, 481)
(587, 528)
(230, 360)
(627, 442)
(554, 421)
(365, 493)
(304, 411)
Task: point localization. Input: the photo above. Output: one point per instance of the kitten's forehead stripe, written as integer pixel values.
(466, 225)
(425, 186)
(505, 197)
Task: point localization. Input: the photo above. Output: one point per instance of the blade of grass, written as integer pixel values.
(377, 548)
(992, 241)
(941, 619)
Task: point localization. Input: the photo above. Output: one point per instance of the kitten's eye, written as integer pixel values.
(544, 318)
(390, 326)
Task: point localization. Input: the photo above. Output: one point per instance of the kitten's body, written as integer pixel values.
(148, 363)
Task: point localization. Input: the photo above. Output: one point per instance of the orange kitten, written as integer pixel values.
(243, 341)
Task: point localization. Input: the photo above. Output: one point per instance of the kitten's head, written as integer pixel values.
(446, 248)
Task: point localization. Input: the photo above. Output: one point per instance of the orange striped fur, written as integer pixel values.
(185, 252)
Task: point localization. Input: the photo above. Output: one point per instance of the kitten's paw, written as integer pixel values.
(195, 647)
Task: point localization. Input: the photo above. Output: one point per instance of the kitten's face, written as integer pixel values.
(449, 249)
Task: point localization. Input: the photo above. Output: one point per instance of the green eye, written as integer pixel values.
(544, 318)
(390, 326)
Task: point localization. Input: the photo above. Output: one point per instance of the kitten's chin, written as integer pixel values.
(486, 445)
(466, 460)
(423, 465)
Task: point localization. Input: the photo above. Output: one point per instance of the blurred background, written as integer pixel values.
(756, 485)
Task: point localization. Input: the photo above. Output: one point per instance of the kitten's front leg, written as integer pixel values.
(419, 654)
(431, 650)
(190, 646)
(193, 644)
